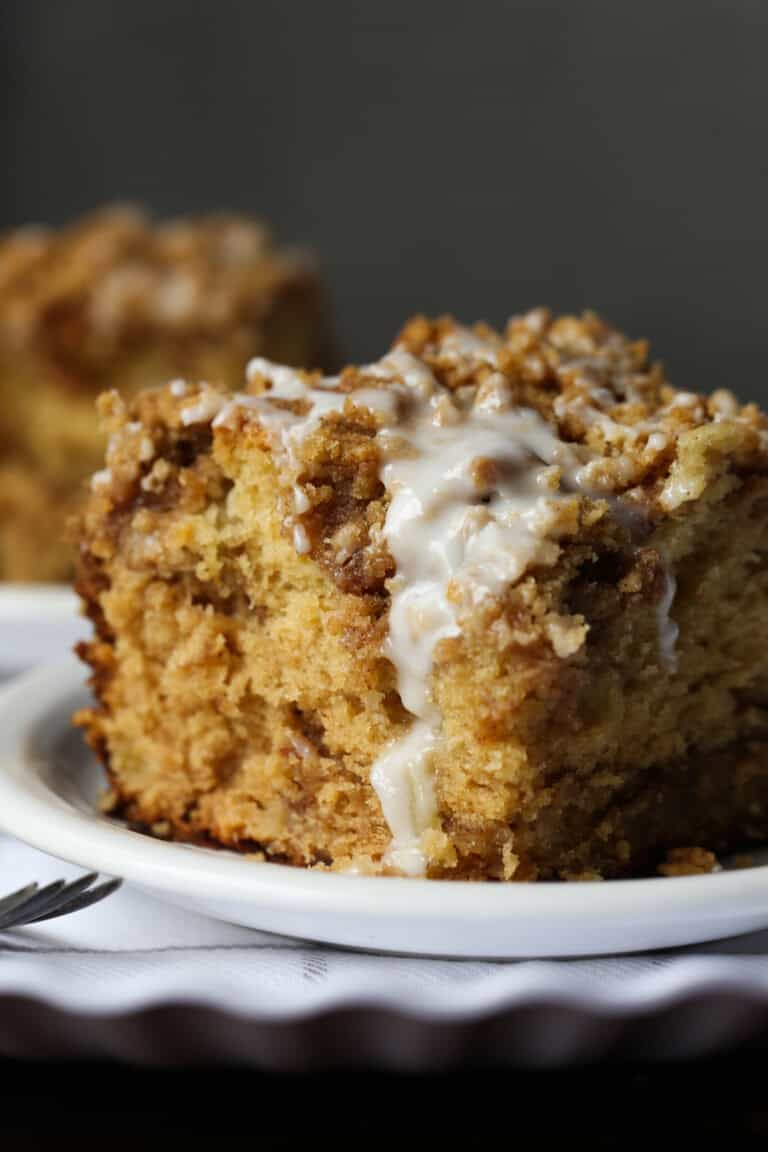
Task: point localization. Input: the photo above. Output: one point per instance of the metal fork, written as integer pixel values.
(32, 904)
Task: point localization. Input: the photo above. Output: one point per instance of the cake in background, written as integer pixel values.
(118, 302)
(494, 607)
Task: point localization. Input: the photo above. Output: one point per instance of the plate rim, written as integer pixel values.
(49, 601)
(33, 811)
(39, 623)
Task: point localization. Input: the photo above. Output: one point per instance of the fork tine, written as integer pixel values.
(75, 887)
(38, 903)
(8, 903)
(68, 893)
(83, 900)
(32, 905)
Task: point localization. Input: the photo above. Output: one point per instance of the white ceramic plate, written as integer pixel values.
(48, 783)
(39, 623)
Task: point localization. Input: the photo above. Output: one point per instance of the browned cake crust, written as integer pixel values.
(598, 696)
(116, 301)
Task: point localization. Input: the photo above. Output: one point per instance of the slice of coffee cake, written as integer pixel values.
(495, 607)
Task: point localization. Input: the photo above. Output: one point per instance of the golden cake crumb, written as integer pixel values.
(108, 801)
(688, 862)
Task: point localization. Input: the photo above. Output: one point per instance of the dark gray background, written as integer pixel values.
(473, 158)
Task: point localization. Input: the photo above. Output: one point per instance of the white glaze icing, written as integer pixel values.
(668, 629)
(403, 783)
(208, 405)
(146, 449)
(685, 400)
(467, 345)
(101, 479)
(449, 529)
(456, 537)
(301, 539)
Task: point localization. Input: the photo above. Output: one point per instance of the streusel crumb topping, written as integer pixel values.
(104, 282)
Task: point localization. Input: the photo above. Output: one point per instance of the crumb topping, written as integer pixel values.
(90, 289)
(688, 862)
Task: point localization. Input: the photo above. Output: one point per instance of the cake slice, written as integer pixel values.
(117, 302)
(493, 607)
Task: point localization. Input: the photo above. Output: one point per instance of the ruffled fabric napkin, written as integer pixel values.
(136, 978)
